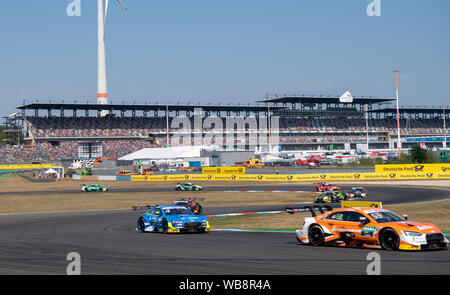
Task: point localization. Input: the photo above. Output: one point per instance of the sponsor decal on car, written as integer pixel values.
(368, 231)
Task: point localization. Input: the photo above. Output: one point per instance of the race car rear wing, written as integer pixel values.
(146, 207)
(191, 199)
(312, 209)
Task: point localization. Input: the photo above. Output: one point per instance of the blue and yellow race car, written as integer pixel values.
(172, 219)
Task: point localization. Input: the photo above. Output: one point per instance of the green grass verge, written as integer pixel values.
(256, 222)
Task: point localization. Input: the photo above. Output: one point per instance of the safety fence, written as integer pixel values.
(390, 172)
(294, 177)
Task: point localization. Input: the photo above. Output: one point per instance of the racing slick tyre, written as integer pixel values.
(165, 226)
(316, 236)
(141, 225)
(389, 239)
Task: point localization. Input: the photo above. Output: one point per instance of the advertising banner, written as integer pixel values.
(353, 204)
(412, 168)
(223, 170)
(26, 166)
(319, 177)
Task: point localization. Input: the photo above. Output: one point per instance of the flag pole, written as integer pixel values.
(367, 126)
(445, 128)
(399, 145)
(167, 122)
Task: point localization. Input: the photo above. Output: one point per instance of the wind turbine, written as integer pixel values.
(102, 93)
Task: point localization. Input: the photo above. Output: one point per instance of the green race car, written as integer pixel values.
(187, 186)
(93, 188)
(86, 172)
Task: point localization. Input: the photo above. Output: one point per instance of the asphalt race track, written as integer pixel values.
(108, 244)
(388, 195)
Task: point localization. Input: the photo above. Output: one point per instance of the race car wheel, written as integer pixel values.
(316, 236)
(165, 226)
(389, 240)
(141, 225)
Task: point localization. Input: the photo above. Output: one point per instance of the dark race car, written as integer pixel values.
(330, 197)
(191, 204)
(357, 192)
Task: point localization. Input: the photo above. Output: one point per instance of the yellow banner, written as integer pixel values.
(223, 170)
(412, 168)
(353, 204)
(327, 177)
(26, 166)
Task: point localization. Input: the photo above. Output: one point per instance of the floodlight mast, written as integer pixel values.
(102, 93)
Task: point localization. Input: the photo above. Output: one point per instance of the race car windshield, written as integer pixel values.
(382, 217)
(180, 203)
(177, 211)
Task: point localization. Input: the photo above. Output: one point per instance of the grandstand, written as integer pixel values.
(54, 131)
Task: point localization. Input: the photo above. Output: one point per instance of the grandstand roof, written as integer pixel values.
(144, 107)
(325, 99)
(412, 110)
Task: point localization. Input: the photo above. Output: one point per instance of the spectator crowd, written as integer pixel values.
(124, 135)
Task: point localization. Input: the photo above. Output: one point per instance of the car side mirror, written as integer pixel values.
(363, 220)
(405, 216)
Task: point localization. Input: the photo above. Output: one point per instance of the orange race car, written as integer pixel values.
(367, 227)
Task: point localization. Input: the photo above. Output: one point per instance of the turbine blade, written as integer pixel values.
(106, 9)
(121, 4)
(104, 21)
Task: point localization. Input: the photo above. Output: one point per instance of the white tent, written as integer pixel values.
(178, 152)
(51, 171)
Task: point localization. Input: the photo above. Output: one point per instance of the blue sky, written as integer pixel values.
(236, 51)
